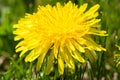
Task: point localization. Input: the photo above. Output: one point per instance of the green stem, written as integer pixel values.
(100, 63)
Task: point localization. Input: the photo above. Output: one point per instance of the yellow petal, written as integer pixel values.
(66, 57)
(93, 21)
(118, 47)
(97, 32)
(91, 55)
(50, 62)
(23, 52)
(83, 8)
(92, 10)
(42, 48)
(118, 64)
(75, 54)
(40, 61)
(71, 45)
(56, 48)
(60, 65)
(20, 44)
(77, 46)
(17, 38)
(92, 45)
(20, 48)
(78, 57)
(31, 44)
(23, 49)
(32, 56)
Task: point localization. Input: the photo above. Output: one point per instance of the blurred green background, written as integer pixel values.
(14, 68)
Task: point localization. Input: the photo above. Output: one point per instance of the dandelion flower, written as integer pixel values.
(117, 59)
(118, 47)
(118, 64)
(117, 56)
(60, 32)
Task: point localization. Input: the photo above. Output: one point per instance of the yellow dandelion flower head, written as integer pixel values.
(117, 59)
(61, 32)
